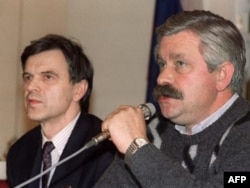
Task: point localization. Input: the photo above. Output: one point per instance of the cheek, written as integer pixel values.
(201, 96)
(202, 86)
(62, 95)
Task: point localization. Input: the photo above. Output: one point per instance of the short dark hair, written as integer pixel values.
(79, 66)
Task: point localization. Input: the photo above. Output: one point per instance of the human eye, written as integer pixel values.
(180, 64)
(26, 77)
(182, 67)
(48, 76)
(161, 65)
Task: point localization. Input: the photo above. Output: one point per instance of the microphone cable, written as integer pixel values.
(55, 165)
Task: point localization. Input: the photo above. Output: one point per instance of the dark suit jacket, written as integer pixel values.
(25, 156)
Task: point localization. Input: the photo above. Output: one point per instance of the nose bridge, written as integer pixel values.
(32, 84)
(166, 75)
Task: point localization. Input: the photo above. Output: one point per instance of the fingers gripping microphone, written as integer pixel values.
(148, 111)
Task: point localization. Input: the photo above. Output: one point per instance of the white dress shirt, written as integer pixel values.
(209, 120)
(59, 140)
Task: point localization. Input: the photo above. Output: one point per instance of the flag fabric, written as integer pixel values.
(163, 10)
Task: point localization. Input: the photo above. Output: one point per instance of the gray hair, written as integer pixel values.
(220, 40)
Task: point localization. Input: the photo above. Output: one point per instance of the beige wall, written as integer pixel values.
(9, 17)
(20, 22)
(114, 33)
(37, 18)
(116, 36)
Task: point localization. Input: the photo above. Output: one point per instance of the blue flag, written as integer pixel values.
(163, 10)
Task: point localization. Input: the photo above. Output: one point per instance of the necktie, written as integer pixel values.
(47, 148)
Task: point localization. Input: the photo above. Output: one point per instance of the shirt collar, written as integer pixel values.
(61, 138)
(209, 120)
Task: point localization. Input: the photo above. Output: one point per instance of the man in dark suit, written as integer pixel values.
(58, 79)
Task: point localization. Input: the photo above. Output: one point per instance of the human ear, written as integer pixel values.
(80, 90)
(224, 75)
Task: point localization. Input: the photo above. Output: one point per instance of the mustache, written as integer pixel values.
(166, 91)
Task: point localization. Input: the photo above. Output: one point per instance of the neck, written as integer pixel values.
(53, 126)
(220, 101)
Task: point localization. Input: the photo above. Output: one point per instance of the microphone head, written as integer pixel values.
(148, 110)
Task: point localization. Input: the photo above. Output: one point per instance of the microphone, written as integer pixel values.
(148, 110)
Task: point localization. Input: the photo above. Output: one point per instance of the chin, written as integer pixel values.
(35, 117)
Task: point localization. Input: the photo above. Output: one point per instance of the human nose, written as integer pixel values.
(166, 76)
(32, 85)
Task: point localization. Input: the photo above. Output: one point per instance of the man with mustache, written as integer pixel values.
(205, 128)
(57, 82)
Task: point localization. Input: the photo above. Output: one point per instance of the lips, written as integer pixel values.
(164, 99)
(33, 102)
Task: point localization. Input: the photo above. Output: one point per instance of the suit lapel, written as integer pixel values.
(36, 155)
(83, 131)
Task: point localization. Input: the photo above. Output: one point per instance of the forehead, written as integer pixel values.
(50, 59)
(184, 42)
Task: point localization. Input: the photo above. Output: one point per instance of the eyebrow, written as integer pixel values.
(50, 72)
(43, 72)
(176, 55)
(173, 56)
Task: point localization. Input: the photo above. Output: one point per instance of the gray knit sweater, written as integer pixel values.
(222, 147)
